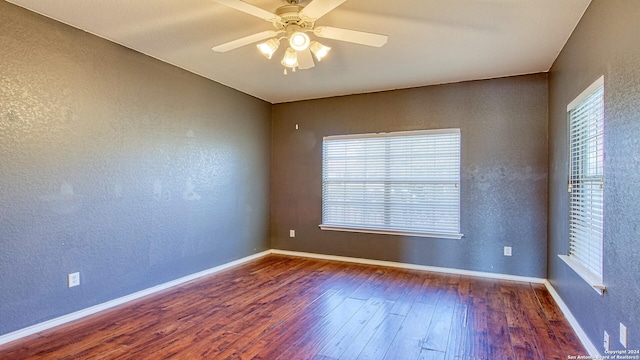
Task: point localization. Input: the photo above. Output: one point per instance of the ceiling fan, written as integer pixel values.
(293, 22)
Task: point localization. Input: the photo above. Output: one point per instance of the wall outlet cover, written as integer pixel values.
(623, 335)
(73, 279)
(292, 233)
(507, 251)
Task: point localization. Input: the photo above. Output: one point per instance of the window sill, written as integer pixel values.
(585, 274)
(392, 232)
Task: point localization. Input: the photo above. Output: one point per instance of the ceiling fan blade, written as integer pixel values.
(353, 36)
(305, 60)
(250, 9)
(244, 41)
(318, 8)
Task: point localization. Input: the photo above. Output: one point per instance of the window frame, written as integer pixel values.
(387, 210)
(582, 267)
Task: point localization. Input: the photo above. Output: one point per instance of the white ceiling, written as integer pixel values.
(430, 41)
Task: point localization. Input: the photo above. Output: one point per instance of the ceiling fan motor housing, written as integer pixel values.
(290, 14)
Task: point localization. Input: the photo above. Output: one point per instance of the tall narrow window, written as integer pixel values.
(402, 183)
(586, 183)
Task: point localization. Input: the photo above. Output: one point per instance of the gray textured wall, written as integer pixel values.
(119, 166)
(605, 42)
(503, 126)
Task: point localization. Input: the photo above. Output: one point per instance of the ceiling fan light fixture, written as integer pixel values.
(299, 41)
(269, 47)
(290, 59)
(319, 50)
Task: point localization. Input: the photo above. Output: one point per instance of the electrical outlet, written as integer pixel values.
(623, 335)
(606, 342)
(507, 251)
(292, 233)
(73, 279)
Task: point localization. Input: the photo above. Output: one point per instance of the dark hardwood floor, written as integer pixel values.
(281, 307)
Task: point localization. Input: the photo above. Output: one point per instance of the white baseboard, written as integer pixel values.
(591, 349)
(18, 334)
(411, 266)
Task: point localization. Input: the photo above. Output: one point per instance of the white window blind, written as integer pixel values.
(586, 179)
(393, 183)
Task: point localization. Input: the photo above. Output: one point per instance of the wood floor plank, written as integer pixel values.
(352, 328)
(320, 333)
(551, 310)
(281, 307)
(520, 332)
(295, 328)
(437, 337)
(476, 341)
(565, 335)
(498, 334)
(408, 341)
(360, 342)
(428, 354)
(379, 343)
(411, 287)
(290, 328)
(260, 322)
(340, 284)
(432, 287)
(499, 342)
(546, 342)
(457, 336)
(374, 286)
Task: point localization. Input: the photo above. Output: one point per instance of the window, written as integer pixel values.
(586, 183)
(401, 183)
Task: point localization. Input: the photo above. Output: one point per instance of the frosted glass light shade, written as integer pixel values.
(319, 50)
(299, 41)
(269, 47)
(290, 58)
